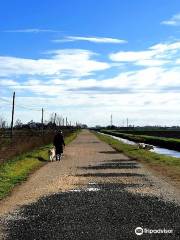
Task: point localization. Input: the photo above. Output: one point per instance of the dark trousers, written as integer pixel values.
(59, 151)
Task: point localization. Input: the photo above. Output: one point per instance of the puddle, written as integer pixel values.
(92, 183)
(75, 190)
(91, 188)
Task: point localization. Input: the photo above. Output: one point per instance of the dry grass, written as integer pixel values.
(24, 141)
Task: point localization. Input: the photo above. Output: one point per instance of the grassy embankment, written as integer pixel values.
(17, 169)
(157, 133)
(170, 143)
(167, 166)
(25, 140)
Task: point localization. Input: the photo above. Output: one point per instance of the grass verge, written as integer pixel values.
(18, 169)
(168, 166)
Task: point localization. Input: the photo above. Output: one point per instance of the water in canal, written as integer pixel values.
(155, 149)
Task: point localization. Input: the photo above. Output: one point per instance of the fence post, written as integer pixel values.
(55, 120)
(42, 121)
(12, 119)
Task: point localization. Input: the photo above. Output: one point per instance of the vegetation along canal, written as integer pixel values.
(155, 149)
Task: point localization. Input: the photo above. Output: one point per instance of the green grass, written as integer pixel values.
(142, 155)
(71, 137)
(17, 169)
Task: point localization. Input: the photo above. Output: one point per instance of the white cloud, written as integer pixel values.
(156, 55)
(96, 108)
(152, 78)
(140, 93)
(148, 80)
(173, 21)
(162, 47)
(91, 39)
(131, 56)
(141, 58)
(30, 30)
(8, 82)
(75, 62)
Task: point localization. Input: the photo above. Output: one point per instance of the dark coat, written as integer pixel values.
(59, 143)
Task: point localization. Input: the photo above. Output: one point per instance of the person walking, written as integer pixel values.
(58, 143)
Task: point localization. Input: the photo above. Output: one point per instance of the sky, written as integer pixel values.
(89, 59)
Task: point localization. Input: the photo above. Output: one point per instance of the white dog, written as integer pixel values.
(145, 146)
(52, 155)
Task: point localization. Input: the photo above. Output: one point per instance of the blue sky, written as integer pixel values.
(88, 59)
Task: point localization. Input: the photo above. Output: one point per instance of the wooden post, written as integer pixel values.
(42, 120)
(66, 122)
(12, 119)
(55, 118)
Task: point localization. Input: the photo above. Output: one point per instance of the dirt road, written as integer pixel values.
(93, 193)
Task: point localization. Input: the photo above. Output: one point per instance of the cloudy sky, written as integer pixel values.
(89, 59)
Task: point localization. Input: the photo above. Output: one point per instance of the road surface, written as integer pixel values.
(93, 193)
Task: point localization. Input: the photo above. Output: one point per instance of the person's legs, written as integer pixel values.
(60, 152)
(57, 154)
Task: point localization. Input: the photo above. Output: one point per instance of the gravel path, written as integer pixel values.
(93, 193)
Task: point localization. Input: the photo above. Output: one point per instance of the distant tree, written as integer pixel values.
(59, 120)
(2, 123)
(32, 124)
(18, 123)
(51, 118)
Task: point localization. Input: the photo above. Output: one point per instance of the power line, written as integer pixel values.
(20, 106)
(28, 108)
(5, 104)
(4, 100)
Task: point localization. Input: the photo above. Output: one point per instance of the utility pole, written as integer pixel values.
(55, 118)
(111, 121)
(66, 122)
(12, 119)
(42, 120)
(127, 123)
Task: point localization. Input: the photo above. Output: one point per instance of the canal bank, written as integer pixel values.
(166, 166)
(162, 142)
(156, 149)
